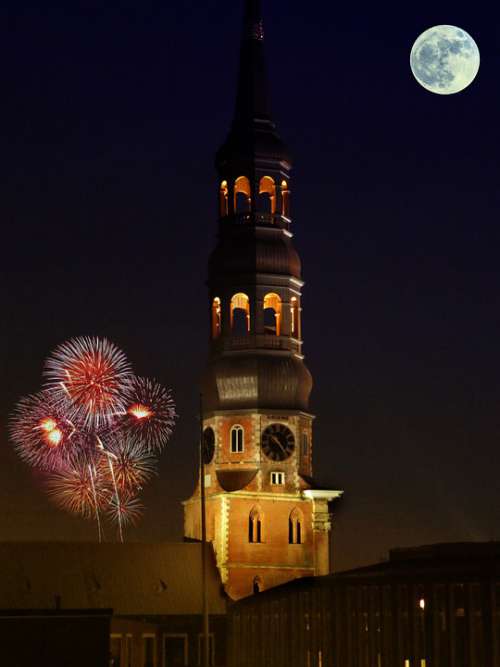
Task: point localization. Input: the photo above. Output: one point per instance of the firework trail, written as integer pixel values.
(95, 431)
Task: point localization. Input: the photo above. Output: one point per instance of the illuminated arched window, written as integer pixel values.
(267, 195)
(237, 439)
(272, 314)
(242, 195)
(294, 316)
(224, 199)
(285, 199)
(295, 523)
(255, 526)
(216, 318)
(240, 314)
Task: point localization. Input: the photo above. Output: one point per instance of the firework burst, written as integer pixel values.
(43, 435)
(80, 491)
(93, 375)
(94, 431)
(150, 413)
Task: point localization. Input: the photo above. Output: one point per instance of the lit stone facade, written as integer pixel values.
(267, 521)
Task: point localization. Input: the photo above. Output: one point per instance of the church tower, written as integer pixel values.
(265, 518)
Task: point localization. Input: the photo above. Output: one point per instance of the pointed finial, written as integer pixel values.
(254, 25)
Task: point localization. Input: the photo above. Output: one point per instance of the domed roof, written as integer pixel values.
(258, 253)
(256, 380)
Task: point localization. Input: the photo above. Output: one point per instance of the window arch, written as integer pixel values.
(272, 314)
(257, 585)
(242, 195)
(285, 199)
(267, 194)
(237, 439)
(294, 316)
(216, 317)
(295, 523)
(224, 199)
(255, 522)
(240, 313)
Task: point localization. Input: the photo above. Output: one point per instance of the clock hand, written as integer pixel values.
(273, 437)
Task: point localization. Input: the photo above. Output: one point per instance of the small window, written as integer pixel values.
(278, 478)
(285, 198)
(237, 439)
(224, 199)
(267, 195)
(305, 444)
(116, 651)
(272, 314)
(257, 585)
(148, 651)
(242, 195)
(294, 316)
(216, 317)
(240, 314)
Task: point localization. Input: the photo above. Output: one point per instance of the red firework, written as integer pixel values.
(125, 511)
(80, 491)
(93, 374)
(150, 413)
(42, 433)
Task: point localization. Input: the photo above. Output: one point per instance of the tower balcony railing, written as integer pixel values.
(258, 341)
(257, 219)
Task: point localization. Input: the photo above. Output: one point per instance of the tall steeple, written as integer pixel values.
(253, 132)
(265, 519)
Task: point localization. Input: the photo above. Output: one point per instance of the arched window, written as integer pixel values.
(224, 199)
(257, 585)
(242, 195)
(255, 526)
(237, 439)
(240, 314)
(295, 527)
(272, 314)
(267, 195)
(285, 199)
(294, 316)
(216, 318)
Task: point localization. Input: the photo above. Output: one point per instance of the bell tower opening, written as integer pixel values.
(242, 195)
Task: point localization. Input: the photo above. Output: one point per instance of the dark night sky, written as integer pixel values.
(110, 119)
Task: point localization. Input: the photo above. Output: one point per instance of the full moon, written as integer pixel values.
(444, 59)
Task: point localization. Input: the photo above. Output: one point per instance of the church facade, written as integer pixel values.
(266, 519)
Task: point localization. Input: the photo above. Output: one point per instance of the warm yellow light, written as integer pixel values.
(421, 604)
(54, 437)
(48, 424)
(140, 411)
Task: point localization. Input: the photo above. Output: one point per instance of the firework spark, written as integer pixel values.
(150, 415)
(42, 434)
(93, 374)
(133, 464)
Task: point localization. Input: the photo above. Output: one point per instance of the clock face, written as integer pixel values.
(208, 444)
(278, 442)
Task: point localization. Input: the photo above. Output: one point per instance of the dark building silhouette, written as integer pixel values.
(435, 606)
(266, 518)
(144, 601)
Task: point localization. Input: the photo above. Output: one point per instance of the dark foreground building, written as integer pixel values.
(119, 605)
(435, 606)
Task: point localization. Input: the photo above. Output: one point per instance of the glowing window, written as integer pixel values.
(255, 526)
(285, 199)
(224, 199)
(267, 195)
(305, 444)
(295, 527)
(242, 195)
(277, 478)
(272, 314)
(237, 439)
(294, 316)
(240, 314)
(216, 317)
